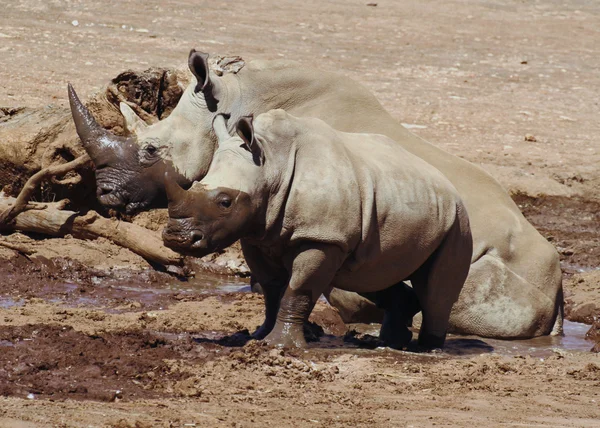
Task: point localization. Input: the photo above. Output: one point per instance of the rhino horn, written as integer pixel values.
(133, 123)
(220, 127)
(89, 131)
(176, 195)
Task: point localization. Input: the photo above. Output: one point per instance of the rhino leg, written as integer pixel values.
(255, 286)
(354, 308)
(269, 280)
(400, 304)
(272, 294)
(439, 281)
(497, 302)
(312, 270)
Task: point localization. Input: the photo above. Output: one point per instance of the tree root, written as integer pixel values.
(16, 247)
(52, 219)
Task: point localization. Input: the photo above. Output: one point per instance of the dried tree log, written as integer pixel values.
(22, 202)
(53, 222)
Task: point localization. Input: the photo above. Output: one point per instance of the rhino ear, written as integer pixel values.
(245, 130)
(133, 123)
(209, 85)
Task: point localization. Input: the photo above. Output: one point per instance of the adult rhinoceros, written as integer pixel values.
(514, 287)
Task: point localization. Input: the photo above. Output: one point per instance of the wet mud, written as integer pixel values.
(571, 224)
(144, 348)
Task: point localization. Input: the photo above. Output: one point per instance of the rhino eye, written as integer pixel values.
(225, 203)
(151, 150)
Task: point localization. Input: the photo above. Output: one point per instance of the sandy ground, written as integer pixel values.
(510, 85)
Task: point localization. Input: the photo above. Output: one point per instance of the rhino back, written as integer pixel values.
(367, 195)
(348, 106)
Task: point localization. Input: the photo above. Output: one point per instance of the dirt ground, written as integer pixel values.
(91, 335)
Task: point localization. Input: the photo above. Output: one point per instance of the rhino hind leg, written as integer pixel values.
(497, 302)
(255, 286)
(400, 304)
(439, 281)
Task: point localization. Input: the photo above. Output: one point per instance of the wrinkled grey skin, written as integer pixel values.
(124, 174)
(514, 288)
(379, 217)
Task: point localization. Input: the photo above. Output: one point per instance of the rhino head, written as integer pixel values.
(226, 205)
(130, 170)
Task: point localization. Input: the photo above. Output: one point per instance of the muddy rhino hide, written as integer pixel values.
(36, 138)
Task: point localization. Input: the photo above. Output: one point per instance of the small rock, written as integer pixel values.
(75, 23)
(567, 252)
(567, 119)
(372, 4)
(529, 137)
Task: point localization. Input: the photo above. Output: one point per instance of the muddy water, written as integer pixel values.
(572, 341)
(208, 283)
(152, 290)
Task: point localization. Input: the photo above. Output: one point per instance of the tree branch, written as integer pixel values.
(22, 202)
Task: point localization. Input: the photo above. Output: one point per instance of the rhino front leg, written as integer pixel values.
(272, 294)
(272, 280)
(312, 269)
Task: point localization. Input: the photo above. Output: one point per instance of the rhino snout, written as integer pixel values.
(176, 236)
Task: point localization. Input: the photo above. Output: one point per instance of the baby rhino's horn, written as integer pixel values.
(175, 193)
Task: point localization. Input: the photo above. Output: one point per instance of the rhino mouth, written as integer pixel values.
(111, 201)
(135, 207)
(192, 243)
(120, 202)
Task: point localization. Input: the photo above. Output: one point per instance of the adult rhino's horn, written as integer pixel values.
(89, 131)
(220, 127)
(176, 195)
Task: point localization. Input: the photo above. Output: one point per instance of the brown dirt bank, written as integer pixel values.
(147, 377)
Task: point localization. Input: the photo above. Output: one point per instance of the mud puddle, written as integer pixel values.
(122, 291)
(572, 341)
(70, 283)
(204, 283)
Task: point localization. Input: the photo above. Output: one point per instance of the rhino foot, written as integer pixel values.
(398, 339)
(262, 331)
(430, 342)
(394, 331)
(287, 335)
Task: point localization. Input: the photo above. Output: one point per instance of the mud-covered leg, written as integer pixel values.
(400, 304)
(312, 268)
(255, 286)
(272, 279)
(272, 294)
(439, 281)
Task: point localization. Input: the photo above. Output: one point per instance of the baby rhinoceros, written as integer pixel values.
(314, 209)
